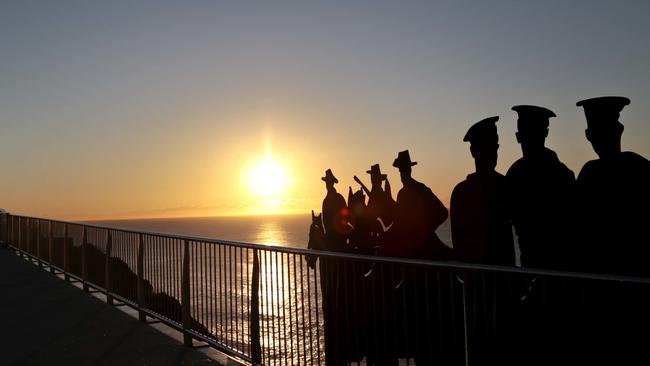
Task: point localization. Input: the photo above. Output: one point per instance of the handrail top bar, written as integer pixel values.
(441, 265)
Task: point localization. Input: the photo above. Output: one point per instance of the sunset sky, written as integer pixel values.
(122, 109)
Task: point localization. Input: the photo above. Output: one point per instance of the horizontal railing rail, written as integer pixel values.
(452, 265)
(268, 305)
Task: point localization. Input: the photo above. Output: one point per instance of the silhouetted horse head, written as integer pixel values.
(357, 208)
(356, 204)
(316, 237)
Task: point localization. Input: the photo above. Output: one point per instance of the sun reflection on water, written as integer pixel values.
(271, 233)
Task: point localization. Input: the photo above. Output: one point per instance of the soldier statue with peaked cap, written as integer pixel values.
(614, 193)
(482, 233)
(540, 193)
(613, 198)
(480, 228)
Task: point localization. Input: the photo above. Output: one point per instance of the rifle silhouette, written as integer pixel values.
(363, 186)
(384, 227)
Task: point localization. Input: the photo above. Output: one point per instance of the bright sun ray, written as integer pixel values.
(267, 178)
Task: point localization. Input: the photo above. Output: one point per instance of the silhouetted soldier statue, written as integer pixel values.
(482, 233)
(480, 227)
(376, 293)
(380, 208)
(418, 213)
(614, 193)
(540, 193)
(380, 203)
(614, 196)
(335, 214)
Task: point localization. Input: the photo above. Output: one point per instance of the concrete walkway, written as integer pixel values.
(47, 321)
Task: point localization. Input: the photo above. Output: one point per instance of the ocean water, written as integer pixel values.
(284, 230)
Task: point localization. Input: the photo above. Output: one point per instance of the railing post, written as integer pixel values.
(13, 230)
(185, 295)
(38, 242)
(84, 266)
(28, 252)
(108, 279)
(28, 237)
(50, 245)
(66, 254)
(254, 326)
(8, 227)
(141, 299)
(4, 228)
(20, 236)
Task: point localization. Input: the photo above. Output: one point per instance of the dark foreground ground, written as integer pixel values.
(47, 321)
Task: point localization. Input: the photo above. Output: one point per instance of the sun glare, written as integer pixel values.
(267, 178)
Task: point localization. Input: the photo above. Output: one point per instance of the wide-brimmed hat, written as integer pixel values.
(403, 159)
(329, 176)
(375, 171)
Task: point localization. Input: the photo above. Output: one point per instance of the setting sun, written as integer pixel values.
(267, 178)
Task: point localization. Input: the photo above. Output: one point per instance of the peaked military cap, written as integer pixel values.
(482, 130)
(374, 170)
(403, 159)
(531, 114)
(329, 176)
(603, 109)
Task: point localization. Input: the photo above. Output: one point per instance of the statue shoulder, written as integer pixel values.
(460, 189)
(588, 169)
(635, 158)
(516, 168)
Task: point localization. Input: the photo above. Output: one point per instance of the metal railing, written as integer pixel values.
(264, 305)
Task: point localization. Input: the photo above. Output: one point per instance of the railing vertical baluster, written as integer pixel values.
(84, 264)
(302, 301)
(204, 274)
(248, 303)
(7, 227)
(38, 242)
(66, 253)
(20, 236)
(177, 272)
(295, 302)
(108, 274)
(232, 320)
(256, 345)
(311, 324)
(221, 292)
(241, 296)
(50, 245)
(28, 245)
(14, 220)
(194, 292)
(141, 298)
(9, 234)
(213, 294)
(185, 295)
(464, 278)
(4, 229)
